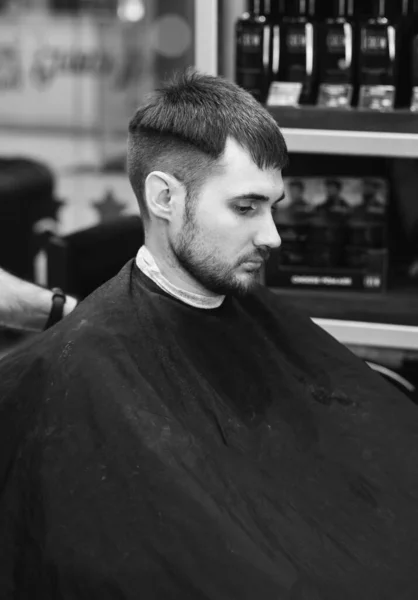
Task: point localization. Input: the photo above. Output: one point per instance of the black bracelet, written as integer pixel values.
(57, 308)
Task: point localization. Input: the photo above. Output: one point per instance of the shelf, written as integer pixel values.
(349, 132)
(387, 320)
(355, 143)
(379, 335)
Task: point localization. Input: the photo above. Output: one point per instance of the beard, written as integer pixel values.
(203, 263)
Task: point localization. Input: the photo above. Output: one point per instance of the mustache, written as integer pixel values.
(263, 255)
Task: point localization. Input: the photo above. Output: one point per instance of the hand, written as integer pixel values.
(25, 305)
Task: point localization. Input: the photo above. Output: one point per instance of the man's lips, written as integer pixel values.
(257, 260)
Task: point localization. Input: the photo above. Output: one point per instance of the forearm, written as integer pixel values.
(25, 305)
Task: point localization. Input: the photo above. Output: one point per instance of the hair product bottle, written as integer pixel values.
(413, 9)
(253, 35)
(295, 80)
(383, 50)
(337, 57)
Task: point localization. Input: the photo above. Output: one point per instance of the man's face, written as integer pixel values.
(296, 192)
(229, 233)
(369, 188)
(332, 189)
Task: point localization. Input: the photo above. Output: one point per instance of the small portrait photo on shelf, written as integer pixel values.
(334, 200)
(297, 205)
(296, 194)
(332, 195)
(339, 199)
(374, 198)
(329, 239)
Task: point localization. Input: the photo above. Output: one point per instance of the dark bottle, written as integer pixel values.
(363, 9)
(294, 74)
(253, 36)
(414, 55)
(337, 56)
(383, 50)
(277, 14)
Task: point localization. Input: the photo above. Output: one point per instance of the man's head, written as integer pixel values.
(370, 187)
(296, 189)
(333, 187)
(205, 161)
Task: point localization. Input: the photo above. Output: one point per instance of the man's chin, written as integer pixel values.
(245, 286)
(238, 286)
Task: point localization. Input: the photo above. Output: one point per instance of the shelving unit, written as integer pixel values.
(349, 132)
(388, 320)
(378, 335)
(378, 320)
(354, 143)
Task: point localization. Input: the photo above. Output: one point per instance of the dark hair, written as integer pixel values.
(372, 183)
(184, 126)
(297, 183)
(335, 182)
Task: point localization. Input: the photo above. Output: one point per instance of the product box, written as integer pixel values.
(334, 235)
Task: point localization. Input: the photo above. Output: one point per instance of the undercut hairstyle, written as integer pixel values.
(183, 127)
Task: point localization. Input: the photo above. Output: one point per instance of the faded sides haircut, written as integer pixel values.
(183, 128)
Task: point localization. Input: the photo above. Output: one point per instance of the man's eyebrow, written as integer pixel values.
(254, 196)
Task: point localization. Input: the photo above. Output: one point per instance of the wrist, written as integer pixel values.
(37, 314)
(26, 306)
(61, 305)
(69, 305)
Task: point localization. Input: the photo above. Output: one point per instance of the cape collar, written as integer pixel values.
(148, 266)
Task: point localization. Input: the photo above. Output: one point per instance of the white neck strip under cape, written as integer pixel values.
(147, 264)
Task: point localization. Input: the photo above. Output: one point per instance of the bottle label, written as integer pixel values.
(335, 95)
(249, 41)
(377, 97)
(284, 94)
(414, 100)
(296, 41)
(374, 43)
(335, 41)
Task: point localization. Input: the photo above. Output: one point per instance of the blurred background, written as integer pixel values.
(72, 73)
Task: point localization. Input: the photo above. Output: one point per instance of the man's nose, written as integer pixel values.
(268, 235)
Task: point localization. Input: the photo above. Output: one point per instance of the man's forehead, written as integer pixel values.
(237, 158)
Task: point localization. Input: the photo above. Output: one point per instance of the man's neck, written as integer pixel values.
(147, 264)
(171, 270)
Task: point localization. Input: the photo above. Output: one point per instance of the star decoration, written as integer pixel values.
(109, 208)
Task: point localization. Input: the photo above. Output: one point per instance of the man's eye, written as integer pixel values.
(243, 210)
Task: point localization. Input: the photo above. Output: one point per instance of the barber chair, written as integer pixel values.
(82, 261)
(401, 383)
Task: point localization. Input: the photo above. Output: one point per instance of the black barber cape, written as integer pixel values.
(153, 450)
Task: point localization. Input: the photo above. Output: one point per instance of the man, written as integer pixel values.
(334, 201)
(299, 205)
(185, 434)
(373, 204)
(297, 194)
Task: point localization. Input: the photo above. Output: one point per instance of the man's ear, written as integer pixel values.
(161, 190)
